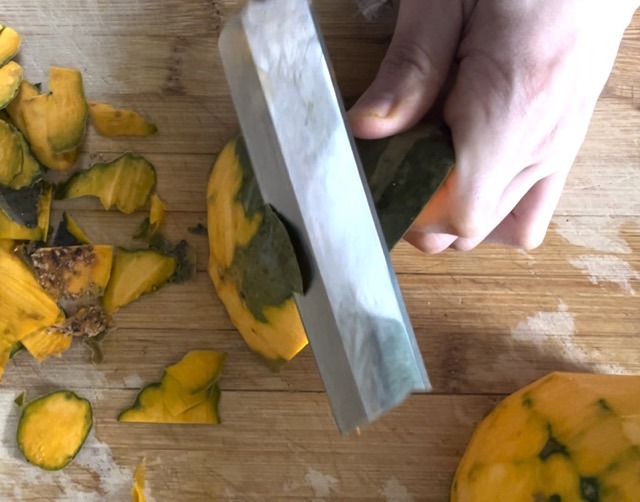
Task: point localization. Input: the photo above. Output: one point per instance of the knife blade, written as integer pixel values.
(294, 123)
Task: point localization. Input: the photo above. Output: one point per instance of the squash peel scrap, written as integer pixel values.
(26, 308)
(187, 393)
(10, 79)
(126, 182)
(53, 428)
(112, 122)
(135, 273)
(10, 154)
(9, 43)
(9, 229)
(137, 492)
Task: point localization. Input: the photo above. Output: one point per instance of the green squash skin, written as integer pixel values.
(403, 173)
(28, 407)
(266, 270)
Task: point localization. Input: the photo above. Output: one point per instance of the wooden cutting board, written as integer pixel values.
(488, 322)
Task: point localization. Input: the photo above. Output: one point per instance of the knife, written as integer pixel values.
(307, 167)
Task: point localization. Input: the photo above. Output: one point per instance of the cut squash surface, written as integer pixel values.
(46, 343)
(126, 183)
(53, 428)
(10, 78)
(137, 492)
(112, 122)
(67, 109)
(135, 273)
(31, 171)
(567, 436)
(69, 232)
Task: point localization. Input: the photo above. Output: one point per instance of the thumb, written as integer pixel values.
(413, 70)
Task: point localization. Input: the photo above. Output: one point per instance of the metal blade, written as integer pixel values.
(307, 168)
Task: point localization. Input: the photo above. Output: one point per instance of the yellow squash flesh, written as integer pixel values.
(10, 154)
(187, 393)
(28, 111)
(9, 43)
(134, 274)
(14, 231)
(30, 171)
(26, 308)
(53, 428)
(137, 492)
(126, 182)
(73, 273)
(112, 122)
(279, 336)
(10, 78)
(565, 437)
(46, 343)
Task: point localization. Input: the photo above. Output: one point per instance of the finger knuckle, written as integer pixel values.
(410, 58)
(529, 238)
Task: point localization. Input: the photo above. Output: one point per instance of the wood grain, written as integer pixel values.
(488, 321)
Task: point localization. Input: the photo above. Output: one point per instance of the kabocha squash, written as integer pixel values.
(565, 437)
(69, 232)
(151, 224)
(252, 262)
(9, 229)
(53, 428)
(110, 121)
(137, 492)
(187, 393)
(135, 273)
(9, 43)
(10, 78)
(10, 154)
(126, 182)
(73, 275)
(31, 172)
(29, 111)
(21, 206)
(26, 308)
(46, 343)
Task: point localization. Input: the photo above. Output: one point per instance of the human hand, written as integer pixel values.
(529, 75)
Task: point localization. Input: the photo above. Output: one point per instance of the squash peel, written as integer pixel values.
(10, 154)
(9, 43)
(112, 122)
(53, 428)
(126, 182)
(135, 273)
(10, 79)
(26, 308)
(14, 231)
(187, 393)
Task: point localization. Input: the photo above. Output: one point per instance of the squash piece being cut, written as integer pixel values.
(9, 43)
(53, 428)
(126, 182)
(135, 273)
(252, 262)
(12, 230)
(187, 393)
(10, 154)
(111, 122)
(566, 436)
(10, 78)
(26, 308)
